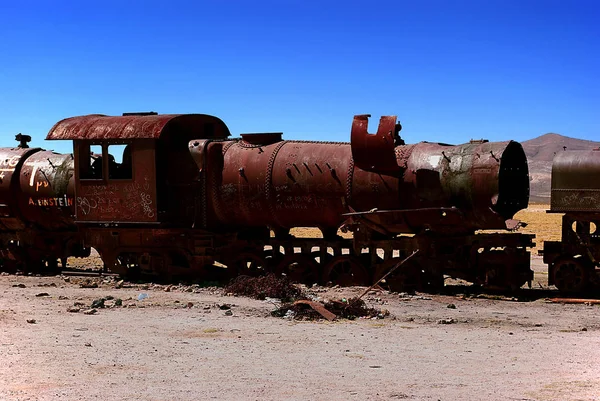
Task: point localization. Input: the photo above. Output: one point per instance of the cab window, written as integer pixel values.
(90, 162)
(119, 162)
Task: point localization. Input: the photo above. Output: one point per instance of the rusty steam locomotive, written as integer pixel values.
(573, 261)
(175, 196)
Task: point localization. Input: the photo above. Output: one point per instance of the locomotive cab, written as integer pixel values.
(136, 168)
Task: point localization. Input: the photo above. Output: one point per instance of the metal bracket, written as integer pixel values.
(376, 152)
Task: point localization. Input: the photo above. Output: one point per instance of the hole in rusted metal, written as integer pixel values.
(513, 181)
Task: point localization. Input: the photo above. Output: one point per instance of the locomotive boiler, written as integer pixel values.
(262, 180)
(182, 196)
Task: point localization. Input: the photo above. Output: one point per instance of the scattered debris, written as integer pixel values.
(317, 307)
(88, 344)
(142, 296)
(277, 301)
(446, 321)
(119, 284)
(270, 286)
(31, 321)
(62, 298)
(98, 303)
(90, 311)
(73, 309)
(228, 312)
(190, 305)
(42, 294)
(118, 302)
(20, 285)
(345, 309)
(87, 283)
(224, 306)
(451, 306)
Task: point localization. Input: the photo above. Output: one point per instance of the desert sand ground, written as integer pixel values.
(181, 345)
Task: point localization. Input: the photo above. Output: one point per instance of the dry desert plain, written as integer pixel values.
(183, 343)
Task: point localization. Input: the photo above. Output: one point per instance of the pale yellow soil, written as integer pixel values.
(545, 226)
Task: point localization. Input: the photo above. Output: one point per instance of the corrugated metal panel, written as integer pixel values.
(98, 127)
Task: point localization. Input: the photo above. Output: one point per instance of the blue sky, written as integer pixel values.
(450, 70)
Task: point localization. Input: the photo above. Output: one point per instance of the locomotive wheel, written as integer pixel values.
(272, 259)
(406, 278)
(570, 275)
(346, 271)
(248, 263)
(299, 269)
(51, 267)
(8, 266)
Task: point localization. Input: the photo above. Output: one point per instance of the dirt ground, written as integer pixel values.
(183, 343)
(180, 345)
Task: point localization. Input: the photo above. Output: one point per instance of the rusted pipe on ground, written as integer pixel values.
(574, 301)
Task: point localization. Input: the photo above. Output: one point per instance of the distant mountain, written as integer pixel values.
(540, 151)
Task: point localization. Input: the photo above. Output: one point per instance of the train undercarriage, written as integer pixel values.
(32, 251)
(573, 261)
(170, 255)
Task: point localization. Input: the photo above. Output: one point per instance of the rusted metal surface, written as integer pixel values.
(317, 307)
(11, 161)
(574, 301)
(47, 191)
(487, 182)
(156, 178)
(375, 152)
(100, 127)
(282, 185)
(36, 189)
(576, 181)
(575, 190)
(36, 209)
(108, 198)
(285, 184)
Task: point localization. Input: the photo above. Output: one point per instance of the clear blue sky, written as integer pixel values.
(450, 70)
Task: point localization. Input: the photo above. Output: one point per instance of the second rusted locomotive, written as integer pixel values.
(573, 261)
(173, 195)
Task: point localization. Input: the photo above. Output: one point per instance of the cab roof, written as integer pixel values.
(142, 126)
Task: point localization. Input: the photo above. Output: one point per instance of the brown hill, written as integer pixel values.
(540, 151)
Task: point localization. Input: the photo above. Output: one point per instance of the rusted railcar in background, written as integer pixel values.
(36, 209)
(573, 261)
(171, 195)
